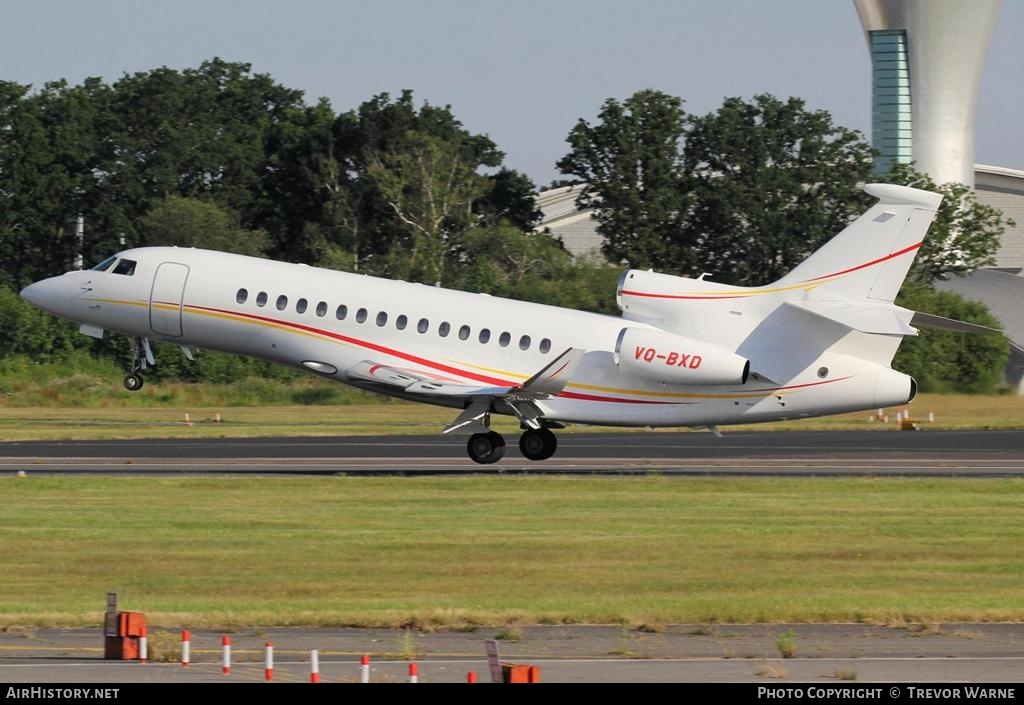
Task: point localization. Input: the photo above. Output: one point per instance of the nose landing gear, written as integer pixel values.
(141, 355)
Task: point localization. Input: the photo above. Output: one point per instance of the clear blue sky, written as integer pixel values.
(522, 71)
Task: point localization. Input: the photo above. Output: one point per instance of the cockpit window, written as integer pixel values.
(126, 267)
(105, 264)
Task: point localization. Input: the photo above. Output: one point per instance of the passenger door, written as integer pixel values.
(167, 297)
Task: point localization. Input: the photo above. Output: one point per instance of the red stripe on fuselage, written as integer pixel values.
(464, 373)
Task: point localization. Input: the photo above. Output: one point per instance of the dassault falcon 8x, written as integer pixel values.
(685, 352)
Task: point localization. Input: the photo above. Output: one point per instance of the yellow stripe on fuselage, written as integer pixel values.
(515, 375)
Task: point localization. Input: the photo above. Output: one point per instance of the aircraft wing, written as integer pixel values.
(379, 374)
(480, 400)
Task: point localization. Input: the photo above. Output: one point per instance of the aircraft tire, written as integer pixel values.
(133, 382)
(486, 448)
(538, 444)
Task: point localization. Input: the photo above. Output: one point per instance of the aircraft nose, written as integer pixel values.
(33, 293)
(43, 294)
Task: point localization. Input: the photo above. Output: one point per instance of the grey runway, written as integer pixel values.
(926, 453)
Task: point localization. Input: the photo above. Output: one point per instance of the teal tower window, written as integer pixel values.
(891, 128)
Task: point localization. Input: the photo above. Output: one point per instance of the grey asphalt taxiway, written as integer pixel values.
(926, 453)
(827, 654)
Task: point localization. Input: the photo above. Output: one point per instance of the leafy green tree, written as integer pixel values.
(29, 331)
(189, 222)
(772, 182)
(632, 165)
(746, 192)
(430, 189)
(414, 185)
(48, 159)
(965, 234)
(312, 192)
(505, 261)
(948, 361)
(510, 199)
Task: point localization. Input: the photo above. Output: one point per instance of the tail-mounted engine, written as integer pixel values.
(675, 359)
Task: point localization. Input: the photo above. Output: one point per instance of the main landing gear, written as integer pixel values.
(534, 444)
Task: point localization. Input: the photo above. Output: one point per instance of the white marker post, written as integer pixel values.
(143, 645)
(364, 669)
(414, 676)
(268, 662)
(314, 666)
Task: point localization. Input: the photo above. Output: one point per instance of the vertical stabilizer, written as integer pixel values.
(870, 258)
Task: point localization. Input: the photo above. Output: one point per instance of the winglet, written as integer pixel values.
(553, 378)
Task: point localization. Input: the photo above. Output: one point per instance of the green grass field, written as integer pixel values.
(396, 417)
(457, 551)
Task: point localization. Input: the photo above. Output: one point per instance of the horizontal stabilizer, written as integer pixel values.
(929, 320)
(883, 319)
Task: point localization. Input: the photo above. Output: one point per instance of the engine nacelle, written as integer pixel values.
(675, 359)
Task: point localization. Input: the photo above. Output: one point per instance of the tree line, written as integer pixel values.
(223, 158)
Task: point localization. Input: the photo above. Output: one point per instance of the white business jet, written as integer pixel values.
(686, 352)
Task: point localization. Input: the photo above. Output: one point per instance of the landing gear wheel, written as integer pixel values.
(133, 382)
(537, 444)
(486, 448)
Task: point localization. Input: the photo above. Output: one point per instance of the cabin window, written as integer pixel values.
(504, 339)
(321, 309)
(261, 298)
(125, 267)
(524, 343)
(105, 264)
(382, 319)
(300, 306)
(241, 296)
(282, 302)
(485, 335)
(545, 345)
(401, 322)
(423, 326)
(444, 329)
(464, 333)
(361, 316)
(341, 312)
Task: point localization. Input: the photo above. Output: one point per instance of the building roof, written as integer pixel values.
(1002, 292)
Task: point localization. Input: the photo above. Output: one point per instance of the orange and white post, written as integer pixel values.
(314, 666)
(186, 648)
(414, 673)
(225, 654)
(364, 669)
(143, 645)
(268, 662)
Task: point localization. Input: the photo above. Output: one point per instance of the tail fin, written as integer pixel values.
(870, 258)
